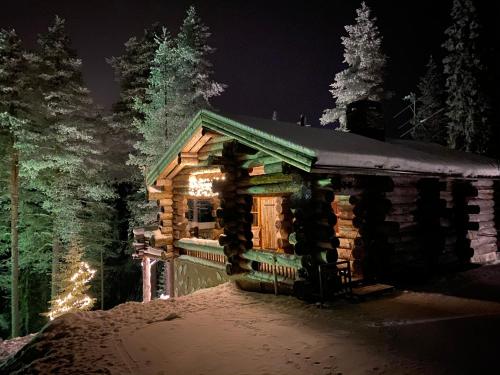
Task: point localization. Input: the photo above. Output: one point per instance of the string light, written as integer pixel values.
(202, 187)
(74, 300)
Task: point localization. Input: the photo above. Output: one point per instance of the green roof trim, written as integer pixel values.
(291, 153)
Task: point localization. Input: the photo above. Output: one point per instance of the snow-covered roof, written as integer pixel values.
(336, 149)
(321, 150)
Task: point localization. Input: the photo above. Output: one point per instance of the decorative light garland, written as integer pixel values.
(202, 187)
(71, 301)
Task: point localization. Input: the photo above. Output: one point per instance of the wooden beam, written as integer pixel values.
(193, 140)
(206, 246)
(270, 189)
(155, 193)
(292, 261)
(201, 142)
(187, 157)
(262, 160)
(176, 170)
(204, 262)
(168, 169)
(266, 179)
(217, 138)
(163, 182)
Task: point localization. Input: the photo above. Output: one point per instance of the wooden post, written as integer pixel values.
(146, 279)
(275, 276)
(171, 278)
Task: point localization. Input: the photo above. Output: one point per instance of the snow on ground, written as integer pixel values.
(223, 330)
(9, 347)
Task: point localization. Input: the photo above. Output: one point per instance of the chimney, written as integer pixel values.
(365, 117)
(303, 121)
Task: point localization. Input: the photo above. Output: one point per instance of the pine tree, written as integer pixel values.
(67, 164)
(76, 275)
(15, 89)
(430, 125)
(157, 111)
(363, 77)
(468, 126)
(179, 85)
(194, 84)
(132, 70)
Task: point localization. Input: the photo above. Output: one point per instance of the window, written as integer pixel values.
(200, 211)
(255, 212)
(201, 222)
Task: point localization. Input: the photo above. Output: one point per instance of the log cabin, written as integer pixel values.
(305, 210)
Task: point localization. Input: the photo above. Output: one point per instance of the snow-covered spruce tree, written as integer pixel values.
(430, 106)
(65, 163)
(132, 70)
(75, 277)
(16, 82)
(152, 125)
(156, 118)
(194, 84)
(363, 77)
(468, 126)
(180, 84)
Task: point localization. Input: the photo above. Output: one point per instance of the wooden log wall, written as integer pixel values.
(313, 224)
(482, 229)
(212, 148)
(180, 208)
(496, 208)
(235, 208)
(430, 235)
(404, 199)
(218, 230)
(350, 247)
(284, 224)
(370, 209)
(163, 236)
(447, 223)
(463, 192)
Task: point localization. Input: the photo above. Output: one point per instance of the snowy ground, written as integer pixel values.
(227, 331)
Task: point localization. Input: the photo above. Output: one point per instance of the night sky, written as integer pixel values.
(273, 57)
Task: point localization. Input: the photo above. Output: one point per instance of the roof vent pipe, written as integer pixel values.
(303, 121)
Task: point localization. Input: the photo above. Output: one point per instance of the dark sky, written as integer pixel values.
(281, 56)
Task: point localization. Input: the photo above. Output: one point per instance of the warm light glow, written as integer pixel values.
(74, 300)
(202, 187)
(206, 171)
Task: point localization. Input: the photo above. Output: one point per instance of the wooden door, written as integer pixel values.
(267, 223)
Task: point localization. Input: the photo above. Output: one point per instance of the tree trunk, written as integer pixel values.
(14, 241)
(56, 253)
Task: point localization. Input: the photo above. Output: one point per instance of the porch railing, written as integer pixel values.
(285, 266)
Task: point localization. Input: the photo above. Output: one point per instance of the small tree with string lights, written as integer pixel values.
(75, 279)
